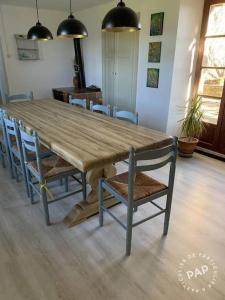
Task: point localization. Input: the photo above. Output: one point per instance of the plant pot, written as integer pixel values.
(186, 146)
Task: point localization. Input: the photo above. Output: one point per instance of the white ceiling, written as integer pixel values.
(56, 4)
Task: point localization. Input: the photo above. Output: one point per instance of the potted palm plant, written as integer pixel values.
(192, 128)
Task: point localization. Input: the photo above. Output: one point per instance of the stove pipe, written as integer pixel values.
(79, 78)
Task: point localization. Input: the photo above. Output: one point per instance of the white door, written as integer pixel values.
(120, 63)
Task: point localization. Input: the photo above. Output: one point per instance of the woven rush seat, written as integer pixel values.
(144, 185)
(13, 138)
(52, 166)
(43, 149)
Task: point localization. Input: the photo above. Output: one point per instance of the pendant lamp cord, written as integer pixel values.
(37, 11)
(71, 7)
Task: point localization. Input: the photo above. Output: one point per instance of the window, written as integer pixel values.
(211, 75)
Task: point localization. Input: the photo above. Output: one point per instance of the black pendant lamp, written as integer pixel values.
(39, 32)
(72, 28)
(121, 19)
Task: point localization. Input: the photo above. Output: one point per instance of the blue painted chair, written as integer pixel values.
(19, 97)
(3, 142)
(15, 150)
(126, 115)
(43, 171)
(135, 188)
(78, 102)
(100, 108)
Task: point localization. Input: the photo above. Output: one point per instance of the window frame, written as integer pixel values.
(199, 64)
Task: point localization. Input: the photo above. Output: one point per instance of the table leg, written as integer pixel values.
(89, 207)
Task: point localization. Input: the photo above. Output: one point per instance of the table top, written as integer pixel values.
(85, 139)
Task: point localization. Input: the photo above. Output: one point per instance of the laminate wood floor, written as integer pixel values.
(87, 262)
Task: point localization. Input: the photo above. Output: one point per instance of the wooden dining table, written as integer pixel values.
(90, 141)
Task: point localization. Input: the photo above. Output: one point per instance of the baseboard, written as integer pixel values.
(210, 153)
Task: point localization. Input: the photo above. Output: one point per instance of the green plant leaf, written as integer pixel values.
(192, 124)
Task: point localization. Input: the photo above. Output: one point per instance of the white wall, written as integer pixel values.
(152, 104)
(55, 69)
(158, 108)
(189, 26)
(3, 77)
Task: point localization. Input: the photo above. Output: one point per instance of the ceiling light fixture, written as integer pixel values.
(121, 19)
(39, 32)
(72, 28)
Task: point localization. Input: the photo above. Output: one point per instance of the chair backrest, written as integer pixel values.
(19, 97)
(2, 127)
(31, 147)
(78, 102)
(142, 161)
(100, 108)
(126, 115)
(1, 118)
(12, 135)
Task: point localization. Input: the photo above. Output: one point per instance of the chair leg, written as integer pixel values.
(167, 214)
(31, 195)
(129, 229)
(66, 184)
(45, 205)
(2, 156)
(29, 181)
(101, 203)
(3, 160)
(84, 185)
(15, 172)
(25, 179)
(9, 162)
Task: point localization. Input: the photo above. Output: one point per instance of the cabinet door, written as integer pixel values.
(108, 54)
(126, 70)
(120, 62)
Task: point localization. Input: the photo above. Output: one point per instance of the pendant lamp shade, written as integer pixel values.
(39, 32)
(72, 28)
(121, 19)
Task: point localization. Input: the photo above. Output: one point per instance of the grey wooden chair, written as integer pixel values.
(105, 109)
(4, 154)
(15, 150)
(135, 188)
(78, 102)
(19, 97)
(126, 115)
(42, 171)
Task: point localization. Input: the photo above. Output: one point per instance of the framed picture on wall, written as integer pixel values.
(157, 21)
(154, 53)
(153, 78)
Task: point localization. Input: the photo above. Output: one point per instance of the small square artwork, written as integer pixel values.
(154, 54)
(153, 78)
(157, 21)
